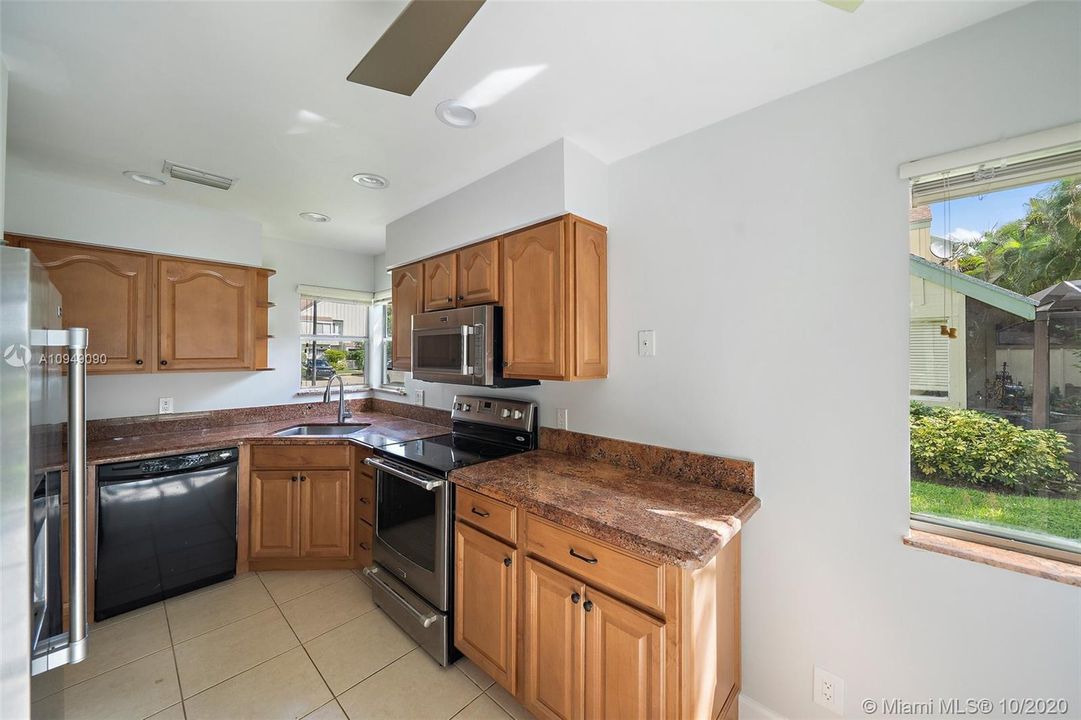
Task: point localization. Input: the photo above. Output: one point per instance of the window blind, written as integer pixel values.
(997, 175)
(928, 358)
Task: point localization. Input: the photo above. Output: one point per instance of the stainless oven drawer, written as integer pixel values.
(429, 627)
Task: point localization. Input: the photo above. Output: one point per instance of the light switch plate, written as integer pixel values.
(418, 397)
(561, 418)
(165, 406)
(647, 343)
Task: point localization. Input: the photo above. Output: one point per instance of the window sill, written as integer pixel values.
(1055, 570)
(349, 391)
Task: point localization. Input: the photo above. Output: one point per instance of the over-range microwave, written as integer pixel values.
(462, 346)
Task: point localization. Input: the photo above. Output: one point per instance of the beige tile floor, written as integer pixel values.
(265, 646)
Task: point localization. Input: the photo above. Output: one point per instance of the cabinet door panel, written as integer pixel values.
(590, 301)
(106, 291)
(533, 302)
(478, 274)
(485, 603)
(204, 315)
(554, 646)
(406, 301)
(324, 513)
(624, 661)
(440, 282)
(274, 529)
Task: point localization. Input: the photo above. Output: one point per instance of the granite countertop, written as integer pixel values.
(675, 522)
(384, 429)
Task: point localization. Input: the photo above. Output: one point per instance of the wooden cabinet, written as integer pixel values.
(440, 282)
(150, 312)
(554, 653)
(300, 500)
(624, 660)
(555, 300)
(602, 632)
(479, 273)
(275, 514)
(205, 315)
(324, 513)
(105, 290)
(485, 603)
(406, 300)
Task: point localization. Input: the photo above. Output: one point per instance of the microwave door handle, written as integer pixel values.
(467, 331)
(479, 359)
(77, 340)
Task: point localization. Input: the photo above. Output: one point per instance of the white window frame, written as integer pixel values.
(357, 297)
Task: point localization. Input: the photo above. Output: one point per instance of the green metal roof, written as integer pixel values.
(975, 288)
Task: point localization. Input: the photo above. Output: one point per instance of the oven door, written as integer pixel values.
(413, 519)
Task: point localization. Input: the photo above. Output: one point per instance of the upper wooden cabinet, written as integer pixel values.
(149, 312)
(478, 273)
(105, 290)
(205, 313)
(440, 282)
(406, 300)
(555, 301)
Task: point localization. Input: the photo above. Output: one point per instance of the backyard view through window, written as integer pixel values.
(333, 340)
(390, 377)
(995, 361)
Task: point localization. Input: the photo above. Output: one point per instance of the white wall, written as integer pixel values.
(787, 226)
(558, 178)
(41, 204)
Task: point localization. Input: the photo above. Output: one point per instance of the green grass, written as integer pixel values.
(1048, 515)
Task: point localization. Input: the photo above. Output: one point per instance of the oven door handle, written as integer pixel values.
(419, 481)
(425, 619)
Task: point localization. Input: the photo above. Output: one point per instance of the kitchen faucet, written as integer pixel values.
(342, 412)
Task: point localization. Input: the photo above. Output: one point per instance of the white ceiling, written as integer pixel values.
(257, 91)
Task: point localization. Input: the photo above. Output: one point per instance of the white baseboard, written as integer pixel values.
(750, 709)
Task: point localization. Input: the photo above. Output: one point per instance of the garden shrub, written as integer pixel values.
(973, 448)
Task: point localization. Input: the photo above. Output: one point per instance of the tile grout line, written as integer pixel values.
(176, 665)
(306, 592)
(367, 677)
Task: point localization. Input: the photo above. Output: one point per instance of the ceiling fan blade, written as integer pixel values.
(846, 5)
(412, 45)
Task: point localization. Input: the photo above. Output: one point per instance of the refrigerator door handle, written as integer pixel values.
(76, 342)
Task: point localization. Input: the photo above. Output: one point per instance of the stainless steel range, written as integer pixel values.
(412, 574)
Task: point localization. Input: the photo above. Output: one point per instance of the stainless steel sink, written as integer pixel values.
(323, 430)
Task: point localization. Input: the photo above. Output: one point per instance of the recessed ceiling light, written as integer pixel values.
(455, 114)
(370, 180)
(143, 178)
(315, 217)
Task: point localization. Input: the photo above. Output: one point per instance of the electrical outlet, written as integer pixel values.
(165, 406)
(561, 418)
(829, 691)
(418, 397)
(647, 343)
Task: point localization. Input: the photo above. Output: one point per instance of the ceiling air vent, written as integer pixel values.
(200, 177)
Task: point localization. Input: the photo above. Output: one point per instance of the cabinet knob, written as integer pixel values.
(294, 478)
(575, 597)
(587, 605)
(506, 562)
(450, 299)
(461, 297)
(506, 363)
(164, 362)
(138, 362)
(303, 478)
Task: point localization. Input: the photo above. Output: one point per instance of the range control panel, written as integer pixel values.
(514, 414)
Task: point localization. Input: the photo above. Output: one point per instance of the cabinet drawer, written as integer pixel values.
(601, 565)
(492, 516)
(365, 535)
(366, 499)
(295, 457)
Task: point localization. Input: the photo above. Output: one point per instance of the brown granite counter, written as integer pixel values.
(682, 523)
(383, 429)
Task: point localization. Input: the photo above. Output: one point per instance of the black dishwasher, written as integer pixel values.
(164, 526)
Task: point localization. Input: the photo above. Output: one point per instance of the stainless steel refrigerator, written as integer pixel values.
(42, 425)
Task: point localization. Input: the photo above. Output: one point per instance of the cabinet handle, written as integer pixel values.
(506, 562)
(506, 363)
(364, 501)
(588, 605)
(450, 299)
(294, 478)
(305, 477)
(575, 597)
(138, 362)
(461, 297)
(584, 558)
(365, 546)
(482, 513)
(164, 362)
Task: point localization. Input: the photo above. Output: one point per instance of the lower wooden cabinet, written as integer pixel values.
(324, 513)
(486, 603)
(601, 633)
(275, 514)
